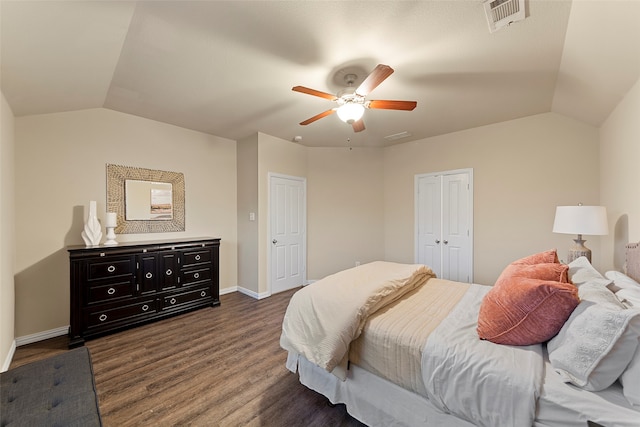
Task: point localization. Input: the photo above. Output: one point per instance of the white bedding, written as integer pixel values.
(393, 338)
(485, 383)
(467, 381)
(562, 404)
(323, 318)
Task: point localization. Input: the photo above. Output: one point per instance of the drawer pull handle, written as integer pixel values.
(145, 307)
(197, 257)
(169, 272)
(172, 301)
(196, 275)
(111, 291)
(203, 294)
(148, 275)
(111, 268)
(102, 317)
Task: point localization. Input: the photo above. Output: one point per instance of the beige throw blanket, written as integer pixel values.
(323, 318)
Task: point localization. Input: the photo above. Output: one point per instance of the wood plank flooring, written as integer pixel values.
(220, 366)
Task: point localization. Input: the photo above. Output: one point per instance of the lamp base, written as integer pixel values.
(578, 250)
(111, 237)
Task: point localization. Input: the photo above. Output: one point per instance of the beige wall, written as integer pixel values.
(248, 203)
(60, 167)
(275, 155)
(620, 178)
(522, 170)
(345, 208)
(7, 237)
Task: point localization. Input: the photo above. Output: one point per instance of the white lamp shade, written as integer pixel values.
(589, 220)
(350, 112)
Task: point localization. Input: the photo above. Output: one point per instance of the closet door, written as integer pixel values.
(444, 218)
(456, 247)
(428, 222)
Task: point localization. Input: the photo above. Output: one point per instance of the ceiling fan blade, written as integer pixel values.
(314, 92)
(392, 105)
(318, 116)
(377, 76)
(358, 126)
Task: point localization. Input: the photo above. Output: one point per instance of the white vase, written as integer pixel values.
(92, 232)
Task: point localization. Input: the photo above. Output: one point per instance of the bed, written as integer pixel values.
(401, 347)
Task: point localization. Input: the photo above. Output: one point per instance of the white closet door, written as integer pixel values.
(429, 221)
(444, 218)
(456, 248)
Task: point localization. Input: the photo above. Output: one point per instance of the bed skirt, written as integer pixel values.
(374, 400)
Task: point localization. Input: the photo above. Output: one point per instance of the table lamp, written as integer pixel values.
(589, 220)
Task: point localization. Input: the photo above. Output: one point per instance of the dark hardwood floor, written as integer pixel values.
(220, 366)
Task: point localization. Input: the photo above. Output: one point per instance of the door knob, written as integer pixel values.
(274, 241)
(437, 241)
(445, 242)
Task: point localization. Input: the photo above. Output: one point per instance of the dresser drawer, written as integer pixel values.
(196, 256)
(98, 317)
(193, 276)
(200, 295)
(101, 269)
(110, 292)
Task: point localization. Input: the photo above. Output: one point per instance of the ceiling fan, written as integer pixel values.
(351, 103)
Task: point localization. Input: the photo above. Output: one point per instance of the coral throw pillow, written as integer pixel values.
(547, 271)
(550, 256)
(525, 312)
(529, 302)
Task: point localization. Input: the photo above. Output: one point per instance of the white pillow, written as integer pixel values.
(597, 342)
(581, 271)
(621, 280)
(630, 380)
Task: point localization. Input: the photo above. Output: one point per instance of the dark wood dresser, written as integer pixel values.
(118, 287)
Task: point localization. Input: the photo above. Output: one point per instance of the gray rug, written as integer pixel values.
(57, 391)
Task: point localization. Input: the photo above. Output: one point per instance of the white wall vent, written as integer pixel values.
(501, 13)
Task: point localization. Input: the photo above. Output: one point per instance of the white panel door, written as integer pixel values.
(456, 239)
(428, 218)
(444, 219)
(287, 222)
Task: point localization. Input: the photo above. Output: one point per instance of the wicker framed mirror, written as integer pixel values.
(145, 200)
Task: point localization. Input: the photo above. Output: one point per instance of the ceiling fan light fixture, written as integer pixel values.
(350, 112)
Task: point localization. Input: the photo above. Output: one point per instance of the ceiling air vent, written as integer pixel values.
(397, 136)
(501, 13)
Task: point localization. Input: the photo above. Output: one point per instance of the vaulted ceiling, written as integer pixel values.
(227, 67)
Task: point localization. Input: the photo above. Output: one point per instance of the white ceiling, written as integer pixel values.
(227, 67)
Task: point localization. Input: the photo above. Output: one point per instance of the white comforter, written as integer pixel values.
(482, 382)
(323, 318)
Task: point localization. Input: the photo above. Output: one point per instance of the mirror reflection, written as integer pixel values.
(148, 200)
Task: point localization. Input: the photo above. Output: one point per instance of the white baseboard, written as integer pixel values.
(9, 358)
(228, 290)
(41, 336)
(253, 294)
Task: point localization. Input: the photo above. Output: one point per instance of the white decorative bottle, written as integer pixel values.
(92, 232)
